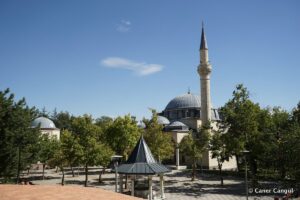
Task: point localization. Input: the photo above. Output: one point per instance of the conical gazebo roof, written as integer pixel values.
(141, 161)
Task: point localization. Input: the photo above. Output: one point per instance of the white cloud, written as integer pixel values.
(124, 26)
(127, 22)
(140, 68)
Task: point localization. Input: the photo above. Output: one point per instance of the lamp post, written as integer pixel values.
(245, 152)
(116, 159)
(116, 175)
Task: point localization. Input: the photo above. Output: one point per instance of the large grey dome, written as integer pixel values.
(184, 101)
(43, 122)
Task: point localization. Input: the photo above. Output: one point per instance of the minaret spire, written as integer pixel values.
(204, 70)
(203, 44)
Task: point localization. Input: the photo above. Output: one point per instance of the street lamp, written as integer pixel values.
(245, 152)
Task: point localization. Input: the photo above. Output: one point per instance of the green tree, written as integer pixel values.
(60, 160)
(71, 149)
(48, 148)
(122, 135)
(104, 122)
(104, 158)
(194, 145)
(219, 150)
(296, 114)
(17, 138)
(160, 143)
(289, 148)
(256, 130)
(86, 131)
(240, 115)
(62, 120)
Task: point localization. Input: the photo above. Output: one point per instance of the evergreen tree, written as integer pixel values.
(17, 138)
(62, 120)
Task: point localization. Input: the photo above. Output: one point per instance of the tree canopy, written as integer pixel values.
(122, 135)
(159, 142)
(17, 138)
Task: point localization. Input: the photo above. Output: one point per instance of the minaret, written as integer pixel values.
(204, 70)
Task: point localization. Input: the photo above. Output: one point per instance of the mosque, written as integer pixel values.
(189, 111)
(184, 113)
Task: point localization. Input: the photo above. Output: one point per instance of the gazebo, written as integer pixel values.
(142, 162)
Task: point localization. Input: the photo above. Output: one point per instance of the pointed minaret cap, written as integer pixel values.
(203, 44)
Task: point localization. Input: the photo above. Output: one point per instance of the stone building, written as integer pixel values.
(189, 111)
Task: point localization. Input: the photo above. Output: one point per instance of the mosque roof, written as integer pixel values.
(184, 101)
(141, 125)
(162, 120)
(177, 125)
(43, 123)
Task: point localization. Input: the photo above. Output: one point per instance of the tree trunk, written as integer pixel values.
(194, 170)
(19, 165)
(253, 169)
(72, 169)
(86, 175)
(63, 176)
(44, 171)
(100, 175)
(282, 171)
(237, 163)
(221, 177)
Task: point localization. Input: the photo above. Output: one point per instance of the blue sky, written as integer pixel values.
(117, 57)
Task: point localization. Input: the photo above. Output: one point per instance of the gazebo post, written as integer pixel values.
(161, 180)
(150, 187)
(132, 185)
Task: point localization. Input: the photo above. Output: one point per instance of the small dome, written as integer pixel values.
(184, 101)
(141, 125)
(43, 122)
(177, 125)
(162, 120)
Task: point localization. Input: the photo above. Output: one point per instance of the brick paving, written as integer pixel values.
(178, 185)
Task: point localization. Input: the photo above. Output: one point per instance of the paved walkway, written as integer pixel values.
(178, 185)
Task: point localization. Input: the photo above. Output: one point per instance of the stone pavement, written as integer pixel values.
(178, 185)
